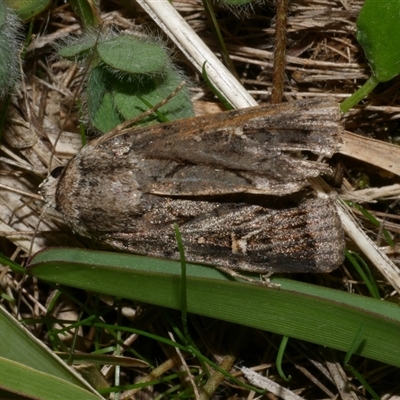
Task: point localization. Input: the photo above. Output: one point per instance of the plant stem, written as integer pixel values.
(278, 78)
(357, 96)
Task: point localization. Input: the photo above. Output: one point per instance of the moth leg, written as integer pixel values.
(265, 281)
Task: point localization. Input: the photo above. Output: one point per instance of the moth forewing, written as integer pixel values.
(202, 173)
(305, 238)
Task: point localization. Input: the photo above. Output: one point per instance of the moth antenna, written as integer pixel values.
(120, 129)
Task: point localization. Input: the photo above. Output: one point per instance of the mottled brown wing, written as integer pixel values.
(123, 190)
(306, 238)
(254, 150)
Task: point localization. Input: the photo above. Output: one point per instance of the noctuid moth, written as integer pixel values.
(234, 183)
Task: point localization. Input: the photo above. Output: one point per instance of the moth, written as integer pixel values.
(235, 183)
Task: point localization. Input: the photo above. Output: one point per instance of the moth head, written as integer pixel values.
(48, 187)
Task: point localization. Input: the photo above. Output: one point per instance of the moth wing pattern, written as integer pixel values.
(243, 151)
(240, 236)
(127, 191)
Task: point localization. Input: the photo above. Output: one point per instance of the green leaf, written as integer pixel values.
(378, 32)
(319, 315)
(10, 45)
(12, 264)
(102, 111)
(27, 9)
(128, 93)
(106, 117)
(133, 56)
(3, 14)
(88, 12)
(78, 50)
(26, 381)
(126, 77)
(113, 99)
(27, 366)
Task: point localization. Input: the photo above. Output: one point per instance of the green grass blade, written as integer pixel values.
(18, 378)
(20, 349)
(319, 315)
